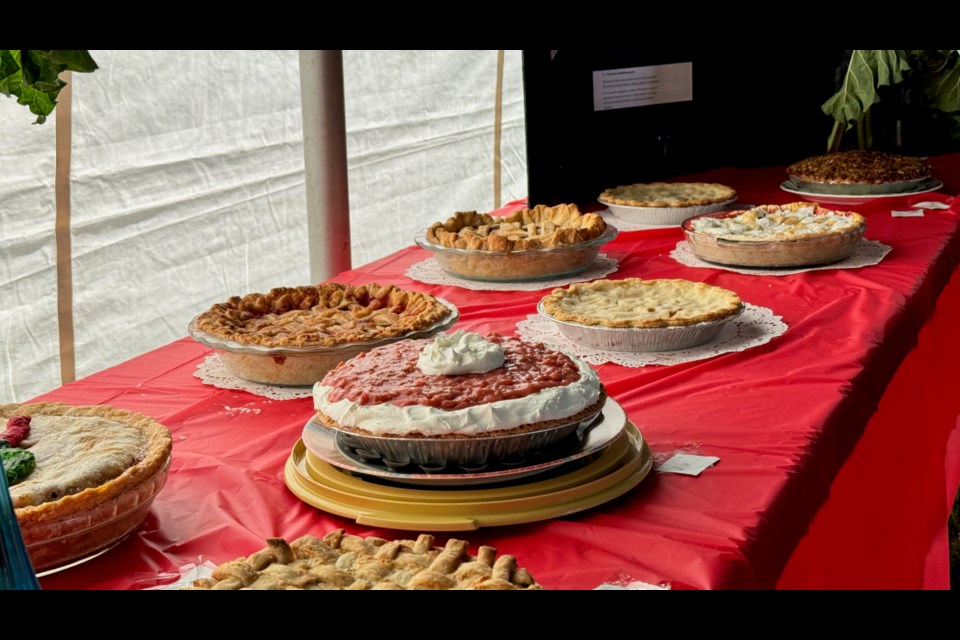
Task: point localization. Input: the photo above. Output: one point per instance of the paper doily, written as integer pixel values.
(868, 253)
(754, 327)
(429, 271)
(212, 371)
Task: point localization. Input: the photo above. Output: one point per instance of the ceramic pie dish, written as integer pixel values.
(97, 472)
(666, 203)
(791, 235)
(263, 354)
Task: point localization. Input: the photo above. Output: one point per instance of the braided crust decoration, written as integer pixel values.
(341, 561)
(326, 315)
(542, 227)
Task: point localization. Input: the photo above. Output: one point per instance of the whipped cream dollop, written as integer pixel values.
(460, 353)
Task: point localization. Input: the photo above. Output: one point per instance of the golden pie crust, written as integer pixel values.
(859, 167)
(325, 315)
(341, 561)
(637, 303)
(542, 227)
(668, 194)
(86, 456)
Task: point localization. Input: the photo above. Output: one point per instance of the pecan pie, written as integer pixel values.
(341, 561)
(668, 194)
(97, 471)
(542, 227)
(638, 303)
(859, 167)
(326, 315)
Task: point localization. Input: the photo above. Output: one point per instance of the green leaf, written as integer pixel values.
(942, 89)
(868, 70)
(32, 76)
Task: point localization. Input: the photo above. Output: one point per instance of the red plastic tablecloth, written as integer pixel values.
(838, 441)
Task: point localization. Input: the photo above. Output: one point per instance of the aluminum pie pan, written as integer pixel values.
(640, 340)
(662, 215)
(530, 265)
(437, 454)
(300, 366)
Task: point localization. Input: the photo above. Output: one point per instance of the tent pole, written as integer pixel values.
(325, 163)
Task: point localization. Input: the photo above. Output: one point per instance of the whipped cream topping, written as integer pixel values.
(460, 353)
(554, 403)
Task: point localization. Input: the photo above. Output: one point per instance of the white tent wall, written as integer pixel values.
(187, 187)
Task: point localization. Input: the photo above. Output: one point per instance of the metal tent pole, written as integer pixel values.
(325, 163)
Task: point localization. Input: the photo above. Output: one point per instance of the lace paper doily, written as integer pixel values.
(868, 253)
(429, 271)
(754, 327)
(212, 371)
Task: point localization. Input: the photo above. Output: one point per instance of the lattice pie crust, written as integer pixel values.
(341, 561)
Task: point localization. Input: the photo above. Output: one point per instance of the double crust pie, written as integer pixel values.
(541, 243)
(542, 227)
(341, 561)
(858, 167)
(326, 315)
(641, 304)
(794, 234)
(668, 194)
(97, 471)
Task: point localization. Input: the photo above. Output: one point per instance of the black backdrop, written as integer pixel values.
(750, 107)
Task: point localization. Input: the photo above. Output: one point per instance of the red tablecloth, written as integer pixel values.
(837, 463)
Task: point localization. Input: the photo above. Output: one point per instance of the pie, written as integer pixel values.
(794, 234)
(97, 471)
(641, 304)
(668, 194)
(386, 392)
(542, 227)
(341, 561)
(858, 167)
(326, 315)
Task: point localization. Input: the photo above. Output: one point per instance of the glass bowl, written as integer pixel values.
(517, 266)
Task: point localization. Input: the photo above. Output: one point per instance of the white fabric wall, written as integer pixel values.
(188, 187)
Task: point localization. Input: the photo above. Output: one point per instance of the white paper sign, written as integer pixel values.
(688, 464)
(912, 213)
(931, 205)
(642, 86)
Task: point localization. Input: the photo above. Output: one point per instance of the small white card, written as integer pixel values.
(913, 213)
(688, 464)
(931, 205)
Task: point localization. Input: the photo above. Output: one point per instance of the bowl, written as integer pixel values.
(299, 366)
(640, 340)
(517, 266)
(775, 251)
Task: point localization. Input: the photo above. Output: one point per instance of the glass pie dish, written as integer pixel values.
(776, 250)
(60, 542)
(517, 266)
(299, 366)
